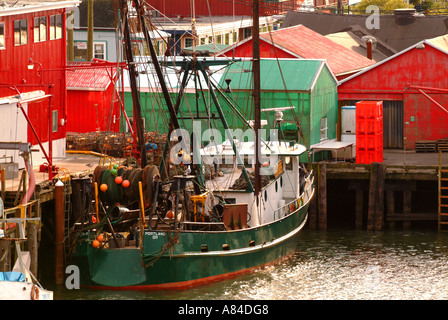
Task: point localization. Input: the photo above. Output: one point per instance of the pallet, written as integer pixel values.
(426, 146)
(442, 145)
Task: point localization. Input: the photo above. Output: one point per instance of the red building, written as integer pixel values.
(33, 58)
(413, 87)
(93, 102)
(299, 42)
(175, 8)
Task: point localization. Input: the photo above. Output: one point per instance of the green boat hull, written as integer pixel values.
(197, 257)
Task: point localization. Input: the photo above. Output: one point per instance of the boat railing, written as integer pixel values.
(297, 203)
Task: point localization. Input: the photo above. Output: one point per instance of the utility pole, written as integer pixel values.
(90, 30)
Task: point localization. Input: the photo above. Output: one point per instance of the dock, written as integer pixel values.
(402, 190)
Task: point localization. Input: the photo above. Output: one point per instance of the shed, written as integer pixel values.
(92, 100)
(307, 85)
(412, 85)
(300, 42)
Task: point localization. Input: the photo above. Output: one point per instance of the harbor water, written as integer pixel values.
(328, 265)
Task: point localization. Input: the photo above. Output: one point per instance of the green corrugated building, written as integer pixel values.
(307, 85)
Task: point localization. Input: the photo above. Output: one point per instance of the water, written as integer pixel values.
(328, 265)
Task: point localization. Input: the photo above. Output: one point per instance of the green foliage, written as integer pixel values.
(383, 5)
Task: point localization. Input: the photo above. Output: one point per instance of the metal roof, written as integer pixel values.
(399, 31)
(276, 75)
(8, 8)
(305, 43)
(436, 43)
(87, 76)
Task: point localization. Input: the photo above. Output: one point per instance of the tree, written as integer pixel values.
(383, 5)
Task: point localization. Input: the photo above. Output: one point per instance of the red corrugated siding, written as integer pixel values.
(13, 71)
(389, 80)
(220, 7)
(90, 111)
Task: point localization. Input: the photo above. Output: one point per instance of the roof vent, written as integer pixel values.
(404, 16)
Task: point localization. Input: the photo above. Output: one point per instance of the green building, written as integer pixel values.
(307, 85)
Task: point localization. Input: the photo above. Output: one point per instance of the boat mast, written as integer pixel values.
(256, 93)
(137, 110)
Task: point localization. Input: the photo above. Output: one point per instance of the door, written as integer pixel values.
(393, 124)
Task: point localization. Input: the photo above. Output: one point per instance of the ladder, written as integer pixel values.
(443, 196)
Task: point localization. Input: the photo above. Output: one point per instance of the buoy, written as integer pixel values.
(100, 238)
(93, 219)
(125, 183)
(103, 187)
(113, 171)
(170, 214)
(115, 166)
(95, 243)
(118, 180)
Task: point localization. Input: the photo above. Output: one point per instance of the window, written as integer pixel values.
(56, 27)
(2, 35)
(20, 32)
(99, 51)
(188, 42)
(227, 38)
(323, 129)
(54, 123)
(40, 29)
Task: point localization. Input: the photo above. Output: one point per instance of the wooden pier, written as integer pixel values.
(382, 194)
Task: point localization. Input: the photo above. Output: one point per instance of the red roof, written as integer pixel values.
(94, 75)
(309, 44)
(301, 42)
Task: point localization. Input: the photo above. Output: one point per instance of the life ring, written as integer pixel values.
(35, 292)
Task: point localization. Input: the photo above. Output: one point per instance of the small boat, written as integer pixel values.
(20, 283)
(187, 223)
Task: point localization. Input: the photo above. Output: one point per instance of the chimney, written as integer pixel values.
(369, 49)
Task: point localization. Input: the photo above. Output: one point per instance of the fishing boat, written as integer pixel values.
(204, 213)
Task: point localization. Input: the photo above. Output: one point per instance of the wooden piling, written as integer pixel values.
(379, 210)
(312, 219)
(59, 232)
(372, 196)
(32, 229)
(359, 208)
(5, 256)
(322, 199)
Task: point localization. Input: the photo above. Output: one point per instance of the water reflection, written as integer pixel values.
(337, 265)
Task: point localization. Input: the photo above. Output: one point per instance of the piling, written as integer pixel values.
(59, 232)
(32, 229)
(322, 198)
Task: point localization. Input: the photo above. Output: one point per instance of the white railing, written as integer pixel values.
(296, 204)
